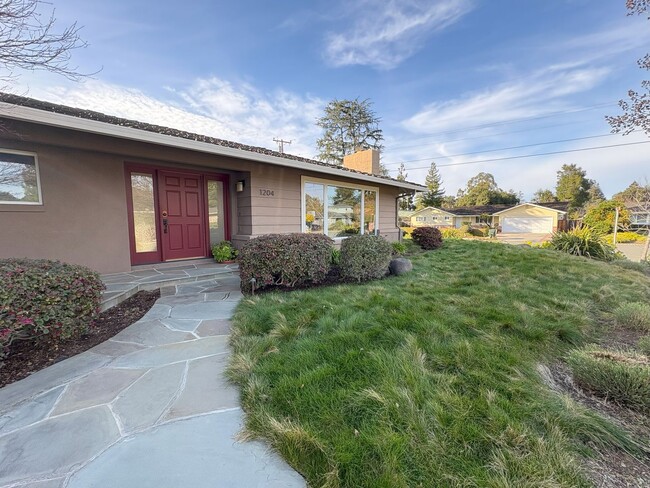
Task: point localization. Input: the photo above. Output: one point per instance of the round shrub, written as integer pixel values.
(623, 377)
(365, 257)
(284, 260)
(46, 299)
(427, 237)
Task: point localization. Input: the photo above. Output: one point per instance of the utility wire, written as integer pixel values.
(503, 149)
(534, 155)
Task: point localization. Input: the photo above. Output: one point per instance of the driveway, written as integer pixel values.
(148, 408)
(631, 251)
(522, 238)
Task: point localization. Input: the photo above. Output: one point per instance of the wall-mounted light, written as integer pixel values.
(240, 186)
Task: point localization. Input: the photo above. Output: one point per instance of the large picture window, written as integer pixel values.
(19, 180)
(338, 210)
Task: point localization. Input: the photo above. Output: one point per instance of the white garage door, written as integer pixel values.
(533, 225)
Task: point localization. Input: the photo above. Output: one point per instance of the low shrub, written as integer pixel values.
(399, 248)
(583, 242)
(624, 238)
(365, 257)
(223, 252)
(284, 260)
(406, 232)
(46, 300)
(644, 345)
(623, 377)
(477, 232)
(635, 315)
(427, 237)
(452, 233)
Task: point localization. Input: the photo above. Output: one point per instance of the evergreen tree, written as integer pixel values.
(435, 192)
(405, 203)
(544, 196)
(348, 126)
(573, 187)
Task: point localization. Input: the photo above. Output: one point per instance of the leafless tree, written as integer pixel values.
(29, 40)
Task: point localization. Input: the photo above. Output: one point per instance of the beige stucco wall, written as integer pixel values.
(83, 218)
(530, 211)
(425, 217)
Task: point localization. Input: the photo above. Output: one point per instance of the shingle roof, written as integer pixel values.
(491, 209)
(110, 119)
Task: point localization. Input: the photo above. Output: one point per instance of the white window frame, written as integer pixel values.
(326, 183)
(38, 178)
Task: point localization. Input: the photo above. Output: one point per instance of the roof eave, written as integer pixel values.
(28, 114)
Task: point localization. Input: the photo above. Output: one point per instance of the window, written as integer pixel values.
(420, 219)
(215, 211)
(337, 211)
(447, 217)
(19, 179)
(144, 214)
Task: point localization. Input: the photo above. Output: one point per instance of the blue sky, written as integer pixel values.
(454, 81)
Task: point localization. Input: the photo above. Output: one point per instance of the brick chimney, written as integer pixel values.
(365, 161)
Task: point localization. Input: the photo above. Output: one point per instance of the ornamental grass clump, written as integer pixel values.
(635, 315)
(620, 376)
(286, 260)
(427, 237)
(365, 257)
(41, 299)
(583, 242)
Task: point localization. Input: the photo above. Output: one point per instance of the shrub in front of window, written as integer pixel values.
(365, 257)
(427, 237)
(47, 300)
(284, 260)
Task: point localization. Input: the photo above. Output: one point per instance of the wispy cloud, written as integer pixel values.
(388, 32)
(538, 94)
(208, 106)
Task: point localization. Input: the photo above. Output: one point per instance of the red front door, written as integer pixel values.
(182, 218)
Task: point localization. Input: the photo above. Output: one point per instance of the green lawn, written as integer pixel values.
(429, 379)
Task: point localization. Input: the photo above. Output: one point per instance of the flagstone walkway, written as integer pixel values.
(148, 408)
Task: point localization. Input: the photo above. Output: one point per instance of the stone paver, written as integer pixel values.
(149, 407)
(176, 457)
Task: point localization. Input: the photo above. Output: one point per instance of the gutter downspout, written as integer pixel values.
(401, 195)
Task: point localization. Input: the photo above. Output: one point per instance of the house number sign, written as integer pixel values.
(265, 192)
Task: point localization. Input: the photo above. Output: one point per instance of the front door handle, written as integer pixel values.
(165, 226)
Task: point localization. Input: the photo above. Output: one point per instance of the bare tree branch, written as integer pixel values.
(29, 40)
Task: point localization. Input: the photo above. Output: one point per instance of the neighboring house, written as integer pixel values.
(639, 215)
(525, 217)
(109, 193)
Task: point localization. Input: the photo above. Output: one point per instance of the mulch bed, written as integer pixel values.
(27, 357)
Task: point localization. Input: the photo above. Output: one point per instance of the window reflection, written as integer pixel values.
(144, 215)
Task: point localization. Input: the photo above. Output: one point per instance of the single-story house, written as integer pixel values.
(540, 218)
(111, 193)
(639, 215)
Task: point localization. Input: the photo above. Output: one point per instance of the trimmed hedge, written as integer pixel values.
(284, 260)
(623, 377)
(46, 299)
(365, 257)
(427, 237)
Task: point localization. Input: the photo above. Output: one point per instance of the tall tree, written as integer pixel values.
(544, 196)
(405, 203)
(636, 110)
(596, 195)
(634, 193)
(29, 41)
(435, 192)
(482, 189)
(573, 187)
(348, 126)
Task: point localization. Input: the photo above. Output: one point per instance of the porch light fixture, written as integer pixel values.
(240, 186)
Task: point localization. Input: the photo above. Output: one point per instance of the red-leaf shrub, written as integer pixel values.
(284, 260)
(427, 237)
(365, 257)
(41, 298)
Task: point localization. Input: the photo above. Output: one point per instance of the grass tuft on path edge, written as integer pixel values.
(429, 379)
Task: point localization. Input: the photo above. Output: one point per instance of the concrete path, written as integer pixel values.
(148, 408)
(632, 251)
